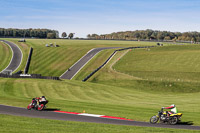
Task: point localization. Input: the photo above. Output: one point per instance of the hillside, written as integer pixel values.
(5, 55)
(115, 90)
(53, 61)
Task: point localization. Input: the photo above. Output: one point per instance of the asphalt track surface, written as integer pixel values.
(16, 58)
(73, 70)
(49, 114)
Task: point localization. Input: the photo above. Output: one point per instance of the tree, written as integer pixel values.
(64, 34)
(167, 38)
(88, 36)
(51, 35)
(71, 35)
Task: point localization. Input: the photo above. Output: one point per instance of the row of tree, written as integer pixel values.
(70, 36)
(36, 33)
(149, 35)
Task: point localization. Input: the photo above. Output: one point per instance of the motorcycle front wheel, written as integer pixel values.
(154, 119)
(173, 120)
(29, 108)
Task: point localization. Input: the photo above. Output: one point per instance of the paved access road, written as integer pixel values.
(71, 117)
(73, 70)
(16, 58)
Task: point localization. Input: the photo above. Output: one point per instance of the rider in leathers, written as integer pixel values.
(173, 109)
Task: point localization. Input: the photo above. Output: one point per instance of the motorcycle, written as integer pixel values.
(164, 116)
(36, 107)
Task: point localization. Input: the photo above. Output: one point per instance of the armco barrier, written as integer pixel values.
(28, 61)
(35, 76)
(86, 78)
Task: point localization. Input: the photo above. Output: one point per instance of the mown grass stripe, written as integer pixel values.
(5, 56)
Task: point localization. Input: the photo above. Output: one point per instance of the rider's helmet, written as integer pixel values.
(33, 99)
(173, 105)
(43, 96)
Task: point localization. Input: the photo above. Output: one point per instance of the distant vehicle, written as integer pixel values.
(22, 40)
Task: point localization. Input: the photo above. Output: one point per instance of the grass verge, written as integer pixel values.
(24, 124)
(5, 55)
(76, 96)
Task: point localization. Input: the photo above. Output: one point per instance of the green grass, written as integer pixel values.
(25, 51)
(119, 89)
(98, 99)
(172, 63)
(93, 64)
(165, 90)
(5, 55)
(23, 125)
(54, 61)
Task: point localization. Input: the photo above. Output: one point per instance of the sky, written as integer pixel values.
(84, 17)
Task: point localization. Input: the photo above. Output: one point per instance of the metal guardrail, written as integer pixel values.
(96, 70)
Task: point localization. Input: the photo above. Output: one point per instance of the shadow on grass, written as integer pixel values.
(51, 109)
(185, 123)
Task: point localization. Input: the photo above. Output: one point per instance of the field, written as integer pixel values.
(173, 63)
(5, 55)
(134, 84)
(54, 61)
(34, 125)
(25, 50)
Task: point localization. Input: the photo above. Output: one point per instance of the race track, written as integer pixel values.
(74, 69)
(50, 114)
(16, 57)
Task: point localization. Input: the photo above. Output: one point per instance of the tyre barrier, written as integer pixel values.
(92, 73)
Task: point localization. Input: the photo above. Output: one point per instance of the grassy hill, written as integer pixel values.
(98, 98)
(129, 72)
(53, 61)
(25, 50)
(172, 63)
(122, 88)
(5, 55)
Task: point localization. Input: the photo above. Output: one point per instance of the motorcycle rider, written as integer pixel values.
(42, 100)
(173, 109)
(34, 102)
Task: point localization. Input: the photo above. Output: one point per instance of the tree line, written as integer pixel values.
(149, 35)
(24, 33)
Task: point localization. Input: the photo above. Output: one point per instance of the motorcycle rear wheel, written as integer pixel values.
(154, 119)
(173, 120)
